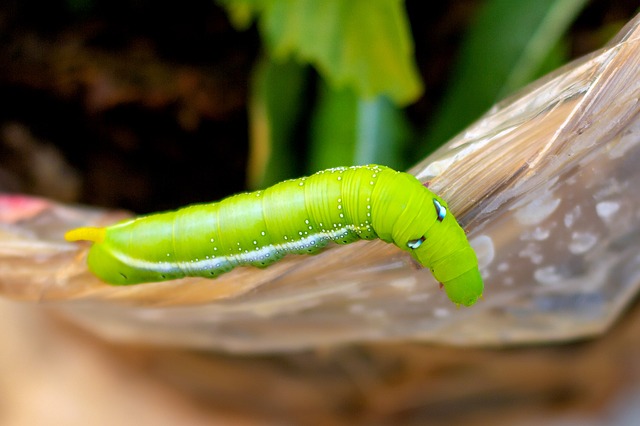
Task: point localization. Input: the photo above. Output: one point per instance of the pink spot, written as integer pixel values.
(14, 208)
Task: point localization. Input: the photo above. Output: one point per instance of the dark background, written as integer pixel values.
(142, 105)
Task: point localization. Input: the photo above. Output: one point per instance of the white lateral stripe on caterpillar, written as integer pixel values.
(262, 253)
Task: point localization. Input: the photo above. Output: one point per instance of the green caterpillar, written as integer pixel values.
(295, 216)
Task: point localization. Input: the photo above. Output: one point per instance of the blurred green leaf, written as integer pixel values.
(275, 106)
(365, 45)
(333, 128)
(242, 12)
(510, 44)
(383, 133)
(346, 129)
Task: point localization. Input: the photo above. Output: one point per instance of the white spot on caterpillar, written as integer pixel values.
(263, 233)
(211, 240)
(255, 242)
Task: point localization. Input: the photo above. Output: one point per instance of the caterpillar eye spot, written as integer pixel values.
(441, 211)
(414, 244)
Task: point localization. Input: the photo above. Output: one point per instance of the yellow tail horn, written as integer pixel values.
(86, 234)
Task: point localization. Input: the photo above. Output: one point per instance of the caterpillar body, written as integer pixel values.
(295, 216)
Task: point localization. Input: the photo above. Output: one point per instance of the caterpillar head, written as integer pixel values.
(445, 250)
(465, 289)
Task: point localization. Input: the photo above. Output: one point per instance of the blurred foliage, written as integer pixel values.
(363, 44)
(277, 93)
(366, 73)
(509, 45)
(366, 69)
(347, 129)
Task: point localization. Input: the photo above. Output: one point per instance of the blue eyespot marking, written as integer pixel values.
(414, 244)
(441, 211)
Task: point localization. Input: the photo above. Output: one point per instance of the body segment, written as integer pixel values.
(296, 216)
